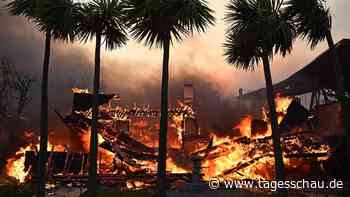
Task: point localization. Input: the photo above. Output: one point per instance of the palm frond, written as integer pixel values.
(312, 18)
(241, 54)
(257, 27)
(194, 15)
(156, 21)
(103, 17)
(61, 17)
(56, 16)
(27, 8)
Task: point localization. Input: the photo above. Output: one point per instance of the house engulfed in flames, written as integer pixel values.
(128, 140)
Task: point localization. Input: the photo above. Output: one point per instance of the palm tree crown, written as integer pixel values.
(312, 18)
(104, 18)
(157, 21)
(256, 27)
(59, 17)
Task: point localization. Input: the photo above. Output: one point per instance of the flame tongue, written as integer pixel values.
(15, 165)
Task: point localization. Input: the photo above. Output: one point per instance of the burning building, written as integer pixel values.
(128, 140)
(321, 117)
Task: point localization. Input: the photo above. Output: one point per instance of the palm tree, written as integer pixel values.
(314, 23)
(56, 19)
(100, 19)
(258, 29)
(159, 23)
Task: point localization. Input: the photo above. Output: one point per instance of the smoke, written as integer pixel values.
(134, 75)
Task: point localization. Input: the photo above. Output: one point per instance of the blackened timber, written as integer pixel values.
(58, 161)
(132, 154)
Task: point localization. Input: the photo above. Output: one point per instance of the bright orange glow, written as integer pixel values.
(80, 91)
(244, 126)
(15, 165)
(172, 167)
(282, 103)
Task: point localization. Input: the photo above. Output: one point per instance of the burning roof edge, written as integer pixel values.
(317, 74)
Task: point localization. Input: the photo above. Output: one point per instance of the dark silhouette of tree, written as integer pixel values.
(22, 86)
(6, 85)
(159, 23)
(56, 19)
(100, 19)
(314, 24)
(257, 30)
(14, 88)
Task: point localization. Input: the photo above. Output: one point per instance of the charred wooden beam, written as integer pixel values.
(58, 162)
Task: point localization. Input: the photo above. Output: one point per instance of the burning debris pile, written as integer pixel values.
(128, 141)
(251, 155)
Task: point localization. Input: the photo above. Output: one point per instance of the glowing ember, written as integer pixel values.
(80, 91)
(136, 185)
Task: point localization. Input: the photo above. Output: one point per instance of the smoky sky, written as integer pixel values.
(134, 71)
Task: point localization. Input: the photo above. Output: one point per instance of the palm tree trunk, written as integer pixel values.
(162, 180)
(340, 88)
(44, 119)
(92, 182)
(279, 166)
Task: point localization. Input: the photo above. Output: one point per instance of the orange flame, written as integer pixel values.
(244, 126)
(15, 165)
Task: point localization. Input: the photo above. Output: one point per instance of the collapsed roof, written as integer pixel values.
(319, 74)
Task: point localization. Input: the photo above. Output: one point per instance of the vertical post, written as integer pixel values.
(312, 100)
